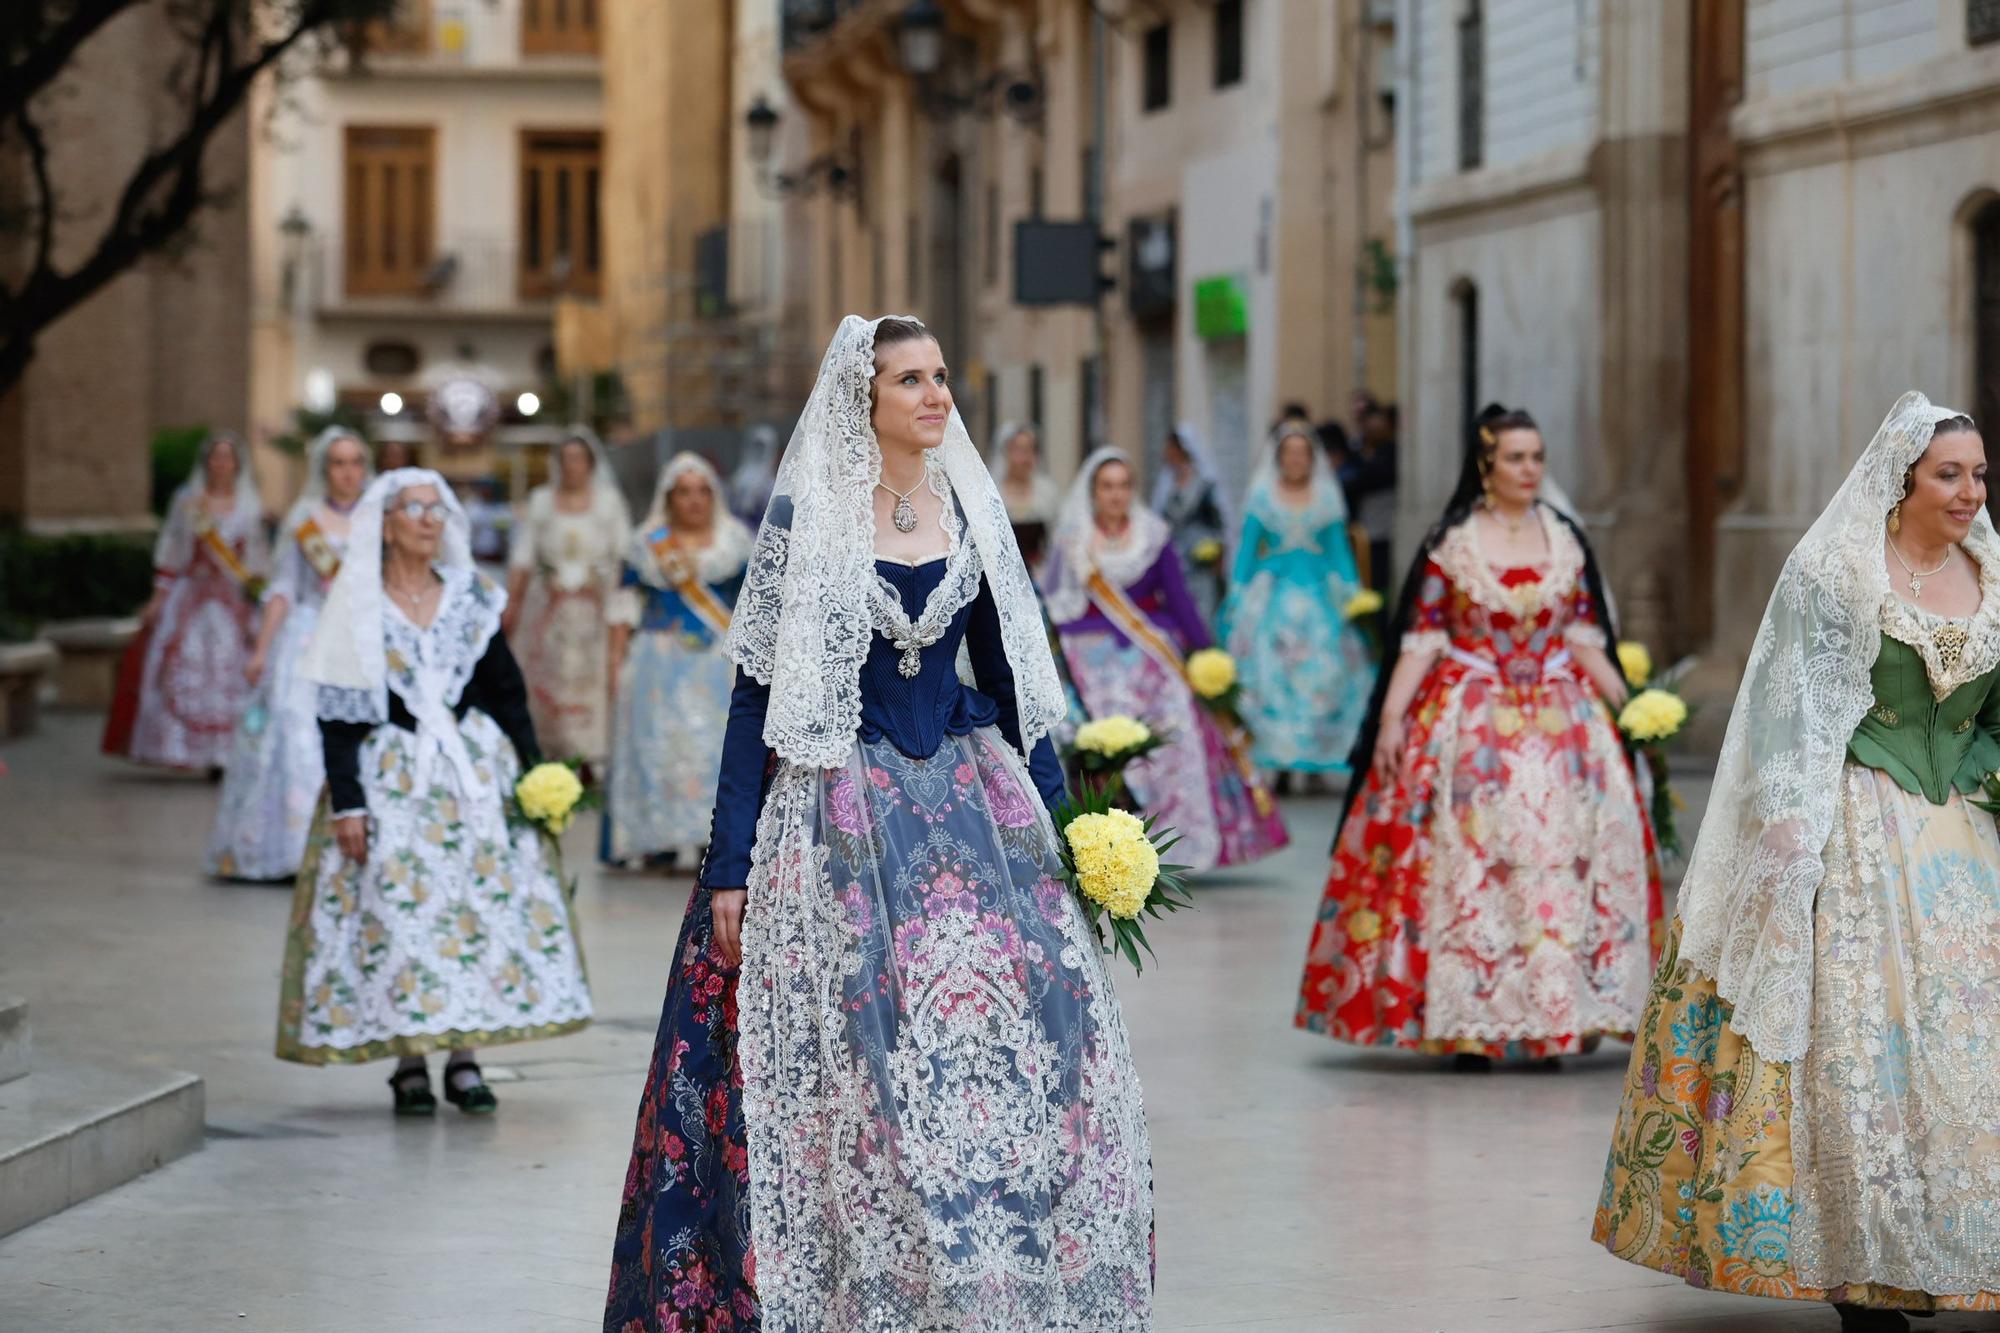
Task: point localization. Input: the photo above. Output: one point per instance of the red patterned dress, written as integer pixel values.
(1502, 897)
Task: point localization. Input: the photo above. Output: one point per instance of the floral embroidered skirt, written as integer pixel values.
(1196, 784)
(189, 688)
(1305, 670)
(1500, 899)
(682, 1260)
(564, 646)
(945, 1129)
(448, 936)
(1869, 1171)
(666, 748)
(275, 769)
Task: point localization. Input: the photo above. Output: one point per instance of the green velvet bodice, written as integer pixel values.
(1926, 745)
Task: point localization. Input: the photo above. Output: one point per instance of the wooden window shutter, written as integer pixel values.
(560, 246)
(391, 175)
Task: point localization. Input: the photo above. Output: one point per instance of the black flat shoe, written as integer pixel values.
(475, 1100)
(1861, 1319)
(1468, 1063)
(413, 1092)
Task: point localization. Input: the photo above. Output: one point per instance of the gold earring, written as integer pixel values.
(1896, 517)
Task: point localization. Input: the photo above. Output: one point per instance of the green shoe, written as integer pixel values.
(412, 1088)
(477, 1099)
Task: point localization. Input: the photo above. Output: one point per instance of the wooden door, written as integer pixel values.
(391, 175)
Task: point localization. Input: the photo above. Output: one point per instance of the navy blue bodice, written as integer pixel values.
(913, 713)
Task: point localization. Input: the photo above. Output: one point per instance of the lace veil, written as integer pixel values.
(1329, 502)
(1075, 552)
(175, 547)
(1746, 905)
(314, 489)
(345, 657)
(730, 542)
(803, 623)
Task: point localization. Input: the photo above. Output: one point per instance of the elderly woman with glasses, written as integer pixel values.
(423, 919)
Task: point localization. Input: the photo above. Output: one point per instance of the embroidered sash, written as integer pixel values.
(1122, 612)
(221, 552)
(317, 550)
(706, 606)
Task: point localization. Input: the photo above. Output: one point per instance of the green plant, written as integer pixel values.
(174, 451)
(1378, 274)
(58, 578)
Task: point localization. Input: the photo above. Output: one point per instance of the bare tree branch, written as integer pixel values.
(166, 190)
(48, 54)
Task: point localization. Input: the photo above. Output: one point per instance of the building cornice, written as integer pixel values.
(582, 72)
(1943, 91)
(1554, 172)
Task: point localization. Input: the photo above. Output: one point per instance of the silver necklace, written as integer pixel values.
(1917, 576)
(904, 516)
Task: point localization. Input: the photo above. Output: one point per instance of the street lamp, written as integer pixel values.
(528, 404)
(838, 174)
(296, 228)
(920, 42)
(392, 403)
(762, 120)
(920, 37)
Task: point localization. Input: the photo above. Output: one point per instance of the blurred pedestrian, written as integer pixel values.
(1494, 883)
(756, 466)
(1188, 495)
(561, 570)
(1369, 480)
(1304, 669)
(423, 919)
(1810, 1107)
(921, 1010)
(275, 771)
(182, 688)
(669, 619)
(1031, 494)
(1119, 599)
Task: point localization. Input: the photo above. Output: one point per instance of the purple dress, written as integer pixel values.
(1200, 783)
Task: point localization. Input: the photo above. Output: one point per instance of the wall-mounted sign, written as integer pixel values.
(1221, 308)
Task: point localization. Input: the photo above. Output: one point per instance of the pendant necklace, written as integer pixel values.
(904, 516)
(1917, 576)
(1512, 525)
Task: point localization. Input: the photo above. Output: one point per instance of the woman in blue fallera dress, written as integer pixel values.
(673, 675)
(914, 1107)
(1304, 669)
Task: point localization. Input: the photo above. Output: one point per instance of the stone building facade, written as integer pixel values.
(166, 344)
(1707, 245)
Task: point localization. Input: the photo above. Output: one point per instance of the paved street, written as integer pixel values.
(1301, 1186)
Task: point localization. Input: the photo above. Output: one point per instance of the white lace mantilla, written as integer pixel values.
(1078, 549)
(806, 617)
(1746, 905)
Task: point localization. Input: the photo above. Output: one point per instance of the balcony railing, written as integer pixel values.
(456, 274)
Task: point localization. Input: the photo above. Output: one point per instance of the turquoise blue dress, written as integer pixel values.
(1305, 670)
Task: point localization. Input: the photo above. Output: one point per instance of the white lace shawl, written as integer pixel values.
(807, 614)
(1746, 906)
(1079, 549)
(346, 657)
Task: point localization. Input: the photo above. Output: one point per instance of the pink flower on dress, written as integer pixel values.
(843, 808)
(1010, 805)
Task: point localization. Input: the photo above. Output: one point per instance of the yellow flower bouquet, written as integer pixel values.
(1102, 747)
(1207, 552)
(1113, 861)
(550, 794)
(1650, 719)
(1212, 672)
(1362, 604)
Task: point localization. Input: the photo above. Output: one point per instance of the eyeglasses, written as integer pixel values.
(417, 511)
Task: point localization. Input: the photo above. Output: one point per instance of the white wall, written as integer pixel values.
(1796, 45)
(1542, 72)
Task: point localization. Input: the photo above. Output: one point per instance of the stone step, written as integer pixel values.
(16, 1042)
(69, 1131)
